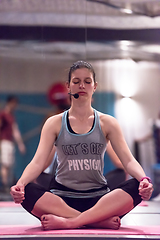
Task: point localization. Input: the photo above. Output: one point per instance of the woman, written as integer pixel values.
(79, 195)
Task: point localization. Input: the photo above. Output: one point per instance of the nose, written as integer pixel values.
(82, 85)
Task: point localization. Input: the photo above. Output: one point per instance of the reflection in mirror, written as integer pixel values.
(39, 42)
(124, 48)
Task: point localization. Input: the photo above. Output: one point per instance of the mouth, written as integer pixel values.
(81, 93)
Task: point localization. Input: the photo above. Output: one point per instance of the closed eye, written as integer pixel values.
(76, 82)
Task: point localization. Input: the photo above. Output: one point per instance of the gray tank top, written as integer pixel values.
(81, 157)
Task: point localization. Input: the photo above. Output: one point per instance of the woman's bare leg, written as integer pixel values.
(113, 204)
(52, 204)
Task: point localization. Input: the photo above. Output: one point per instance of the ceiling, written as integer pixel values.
(86, 29)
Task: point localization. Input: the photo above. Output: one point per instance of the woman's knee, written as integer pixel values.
(32, 193)
(131, 186)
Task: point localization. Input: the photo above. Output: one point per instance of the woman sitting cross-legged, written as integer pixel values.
(79, 195)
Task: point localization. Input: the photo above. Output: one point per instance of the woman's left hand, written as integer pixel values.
(145, 189)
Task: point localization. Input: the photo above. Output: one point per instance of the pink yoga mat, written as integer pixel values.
(36, 230)
(9, 204)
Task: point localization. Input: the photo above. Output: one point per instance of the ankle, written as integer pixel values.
(71, 223)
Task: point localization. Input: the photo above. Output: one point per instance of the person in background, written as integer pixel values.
(155, 136)
(79, 195)
(9, 133)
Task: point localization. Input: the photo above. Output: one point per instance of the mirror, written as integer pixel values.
(38, 44)
(123, 46)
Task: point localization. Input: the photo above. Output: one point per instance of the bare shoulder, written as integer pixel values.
(107, 119)
(53, 124)
(54, 118)
(107, 123)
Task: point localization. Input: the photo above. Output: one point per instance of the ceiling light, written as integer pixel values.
(126, 10)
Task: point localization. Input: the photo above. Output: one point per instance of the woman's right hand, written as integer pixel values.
(17, 193)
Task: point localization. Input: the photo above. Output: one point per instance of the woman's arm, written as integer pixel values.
(114, 158)
(38, 163)
(119, 145)
(50, 158)
(114, 134)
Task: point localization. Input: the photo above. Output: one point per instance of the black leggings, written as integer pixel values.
(34, 191)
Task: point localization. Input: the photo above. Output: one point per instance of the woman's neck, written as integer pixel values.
(81, 111)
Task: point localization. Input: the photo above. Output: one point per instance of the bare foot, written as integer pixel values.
(50, 222)
(113, 223)
(110, 223)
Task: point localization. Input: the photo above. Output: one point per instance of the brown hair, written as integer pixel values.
(79, 65)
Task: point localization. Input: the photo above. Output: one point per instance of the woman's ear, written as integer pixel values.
(95, 86)
(67, 86)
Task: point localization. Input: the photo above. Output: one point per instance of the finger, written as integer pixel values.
(146, 196)
(17, 195)
(148, 191)
(18, 201)
(145, 190)
(22, 189)
(140, 186)
(43, 218)
(17, 198)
